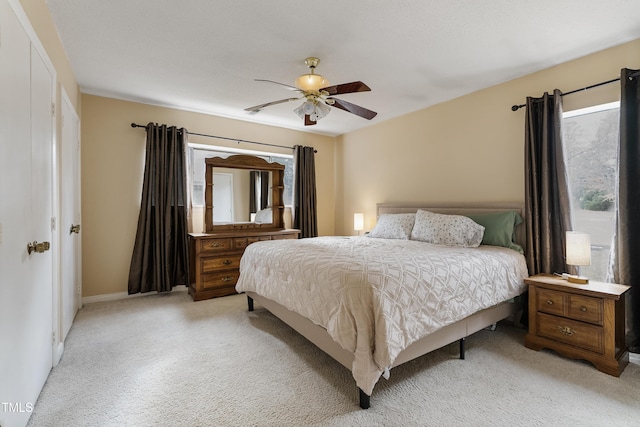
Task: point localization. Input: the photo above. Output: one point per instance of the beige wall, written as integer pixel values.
(470, 149)
(113, 166)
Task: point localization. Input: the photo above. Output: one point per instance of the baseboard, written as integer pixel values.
(122, 295)
(634, 358)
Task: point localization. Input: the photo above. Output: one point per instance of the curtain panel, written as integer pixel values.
(160, 258)
(547, 209)
(626, 252)
(304, 191)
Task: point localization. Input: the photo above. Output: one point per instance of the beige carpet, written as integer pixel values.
(163, 360)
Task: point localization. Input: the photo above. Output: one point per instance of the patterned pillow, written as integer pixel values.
(453, 230)
(393, 226)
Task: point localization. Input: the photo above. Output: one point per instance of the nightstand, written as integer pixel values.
(578, 321)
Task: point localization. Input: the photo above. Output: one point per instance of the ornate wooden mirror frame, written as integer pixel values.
(252, 163)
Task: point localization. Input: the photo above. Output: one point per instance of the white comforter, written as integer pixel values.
(377, 296)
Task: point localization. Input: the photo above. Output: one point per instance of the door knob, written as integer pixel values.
(38, 247)
(74, 229)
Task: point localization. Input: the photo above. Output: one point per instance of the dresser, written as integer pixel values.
(579, 321)
(215, 259)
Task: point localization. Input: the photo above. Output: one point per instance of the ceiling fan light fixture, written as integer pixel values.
(311, 82)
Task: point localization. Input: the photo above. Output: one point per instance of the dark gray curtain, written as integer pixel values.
(260, 178)
(547, 210)
(253, 198)
(264, 189)
(160, 253)
(304, 191)
(626, 265)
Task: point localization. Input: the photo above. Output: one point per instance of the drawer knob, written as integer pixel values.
(549, 302)
(226, 262)
(583, 309)
(565, 330)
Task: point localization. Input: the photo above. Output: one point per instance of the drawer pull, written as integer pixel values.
(215, 244)
(227, 279)
(549, 302)
(565, 330)
(583, 309)
(226, 262)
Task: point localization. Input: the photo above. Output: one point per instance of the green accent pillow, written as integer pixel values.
(499, 228)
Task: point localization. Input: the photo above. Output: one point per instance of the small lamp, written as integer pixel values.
(578, 252)
(358, 222)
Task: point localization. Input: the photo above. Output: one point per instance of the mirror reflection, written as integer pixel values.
(241, 196)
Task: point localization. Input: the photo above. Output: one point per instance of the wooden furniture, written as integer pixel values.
(457, 331)
(215, 255)
(215, 259)
(579, 321)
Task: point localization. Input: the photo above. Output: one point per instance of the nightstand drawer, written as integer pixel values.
(581, 335)
(586, 309)
(552, 302)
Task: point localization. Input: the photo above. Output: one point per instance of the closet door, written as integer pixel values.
(70, 223)
(26, 280)
(40, 260)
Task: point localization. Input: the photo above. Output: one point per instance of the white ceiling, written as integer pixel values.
(203, 55)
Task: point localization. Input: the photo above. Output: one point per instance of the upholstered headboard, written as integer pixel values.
(459, 209)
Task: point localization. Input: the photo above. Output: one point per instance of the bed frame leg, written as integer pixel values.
(365, 399)
(250, 303)
(462, 348)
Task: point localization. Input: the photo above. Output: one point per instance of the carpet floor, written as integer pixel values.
(163, 360)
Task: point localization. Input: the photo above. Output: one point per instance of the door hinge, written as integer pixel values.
(53, 337)
(53, 109)
(53, 223)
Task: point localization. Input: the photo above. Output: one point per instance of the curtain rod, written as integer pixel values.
(517, 107)
(134, 125)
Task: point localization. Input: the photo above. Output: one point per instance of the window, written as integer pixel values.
(590, 138)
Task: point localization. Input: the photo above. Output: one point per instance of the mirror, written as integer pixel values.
(241, 195)
(232, 183)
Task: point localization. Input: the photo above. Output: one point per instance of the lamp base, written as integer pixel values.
(577, 279)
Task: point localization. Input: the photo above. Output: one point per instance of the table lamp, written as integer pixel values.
(578, 253)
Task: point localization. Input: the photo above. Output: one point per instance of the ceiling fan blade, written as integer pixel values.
(347, 88)
(257, 108)
(281, 84)
(353, 108)
(308, 121)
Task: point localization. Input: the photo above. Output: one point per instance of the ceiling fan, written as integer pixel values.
(319, 96)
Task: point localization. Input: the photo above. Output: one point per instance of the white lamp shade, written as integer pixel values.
(578, 248)
(358, 221)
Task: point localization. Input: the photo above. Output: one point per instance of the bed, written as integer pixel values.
(374, 302)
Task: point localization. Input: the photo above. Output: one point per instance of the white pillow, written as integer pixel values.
(393, 226)
(453, 230)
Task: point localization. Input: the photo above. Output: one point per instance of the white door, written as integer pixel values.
(223, 197)
(39, 358)
(27, 86)
(70, 258)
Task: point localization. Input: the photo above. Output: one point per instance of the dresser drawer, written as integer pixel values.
(221, 262)
(222, 279)
(586, 309)
(582, 335)
(243, 242)
(215, 245)
(552, 302)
